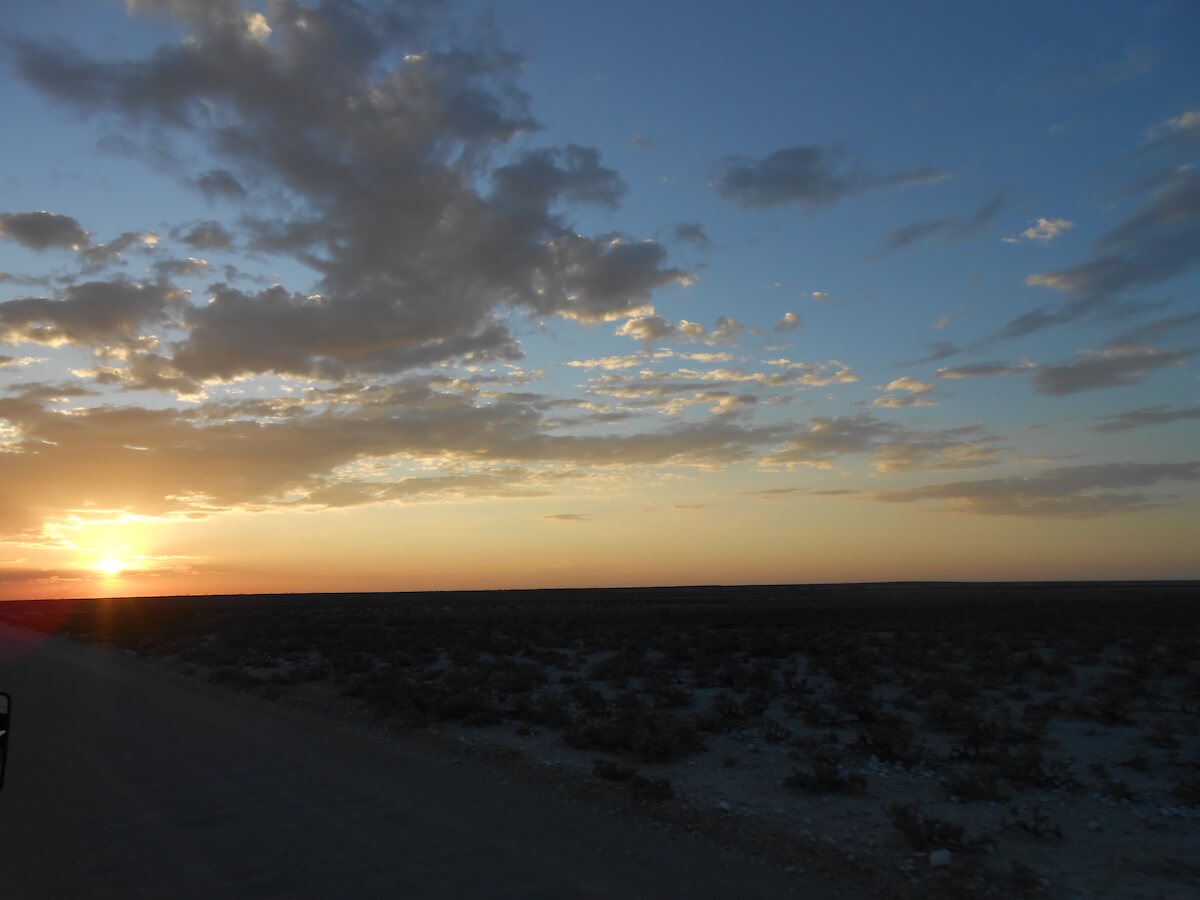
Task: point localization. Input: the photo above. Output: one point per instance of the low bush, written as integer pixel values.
(648, 789)
(610, 770)
(924, 833)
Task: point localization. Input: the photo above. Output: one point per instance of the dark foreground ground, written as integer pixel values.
(898, 740)
(126, 783)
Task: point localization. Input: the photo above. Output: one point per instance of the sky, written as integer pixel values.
(465, 295)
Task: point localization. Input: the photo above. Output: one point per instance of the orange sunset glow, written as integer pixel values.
(523, 322)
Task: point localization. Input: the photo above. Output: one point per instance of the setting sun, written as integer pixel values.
(111, 566)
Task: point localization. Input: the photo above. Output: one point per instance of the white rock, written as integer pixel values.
(939, 859)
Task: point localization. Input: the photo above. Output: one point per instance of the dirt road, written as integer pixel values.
(126, 782)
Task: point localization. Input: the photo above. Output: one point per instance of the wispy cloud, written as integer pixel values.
(1069, 492)
(949, 228)
(984, 370)
(1107, 368)
(1145, 417)
(811, 175)
(1153, 245)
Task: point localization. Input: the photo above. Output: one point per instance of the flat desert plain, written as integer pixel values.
(909, 740)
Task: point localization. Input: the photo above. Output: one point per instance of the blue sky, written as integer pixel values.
(1006, 193)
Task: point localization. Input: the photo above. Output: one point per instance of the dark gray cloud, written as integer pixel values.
(540, 177)
(46, 231)
(1144, 417)
(43, 231)
(92, 313)
(206, 235)
(25, 280)
(1111, 367)
(98, 256)
(807, 175)
(949, 228)
(1069, 492)
(218, 184)
(180, 268)
(277, 331)
(691, 233)
(377, 126)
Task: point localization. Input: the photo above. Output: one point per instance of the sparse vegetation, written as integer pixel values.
(892, 707)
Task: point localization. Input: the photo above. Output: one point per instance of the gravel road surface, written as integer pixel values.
(124, 781)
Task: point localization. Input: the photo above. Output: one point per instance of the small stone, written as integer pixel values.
(939, 859)
(1093, 825)
(724, 806)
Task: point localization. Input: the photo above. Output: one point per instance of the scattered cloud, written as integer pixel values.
(1042, 231)
(895, 447)
(19, 361)
(905, 392)
(652, 328)
(610, 362)
(568, 517)
(790, 322)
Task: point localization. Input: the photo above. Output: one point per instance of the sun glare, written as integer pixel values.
(110, 566)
